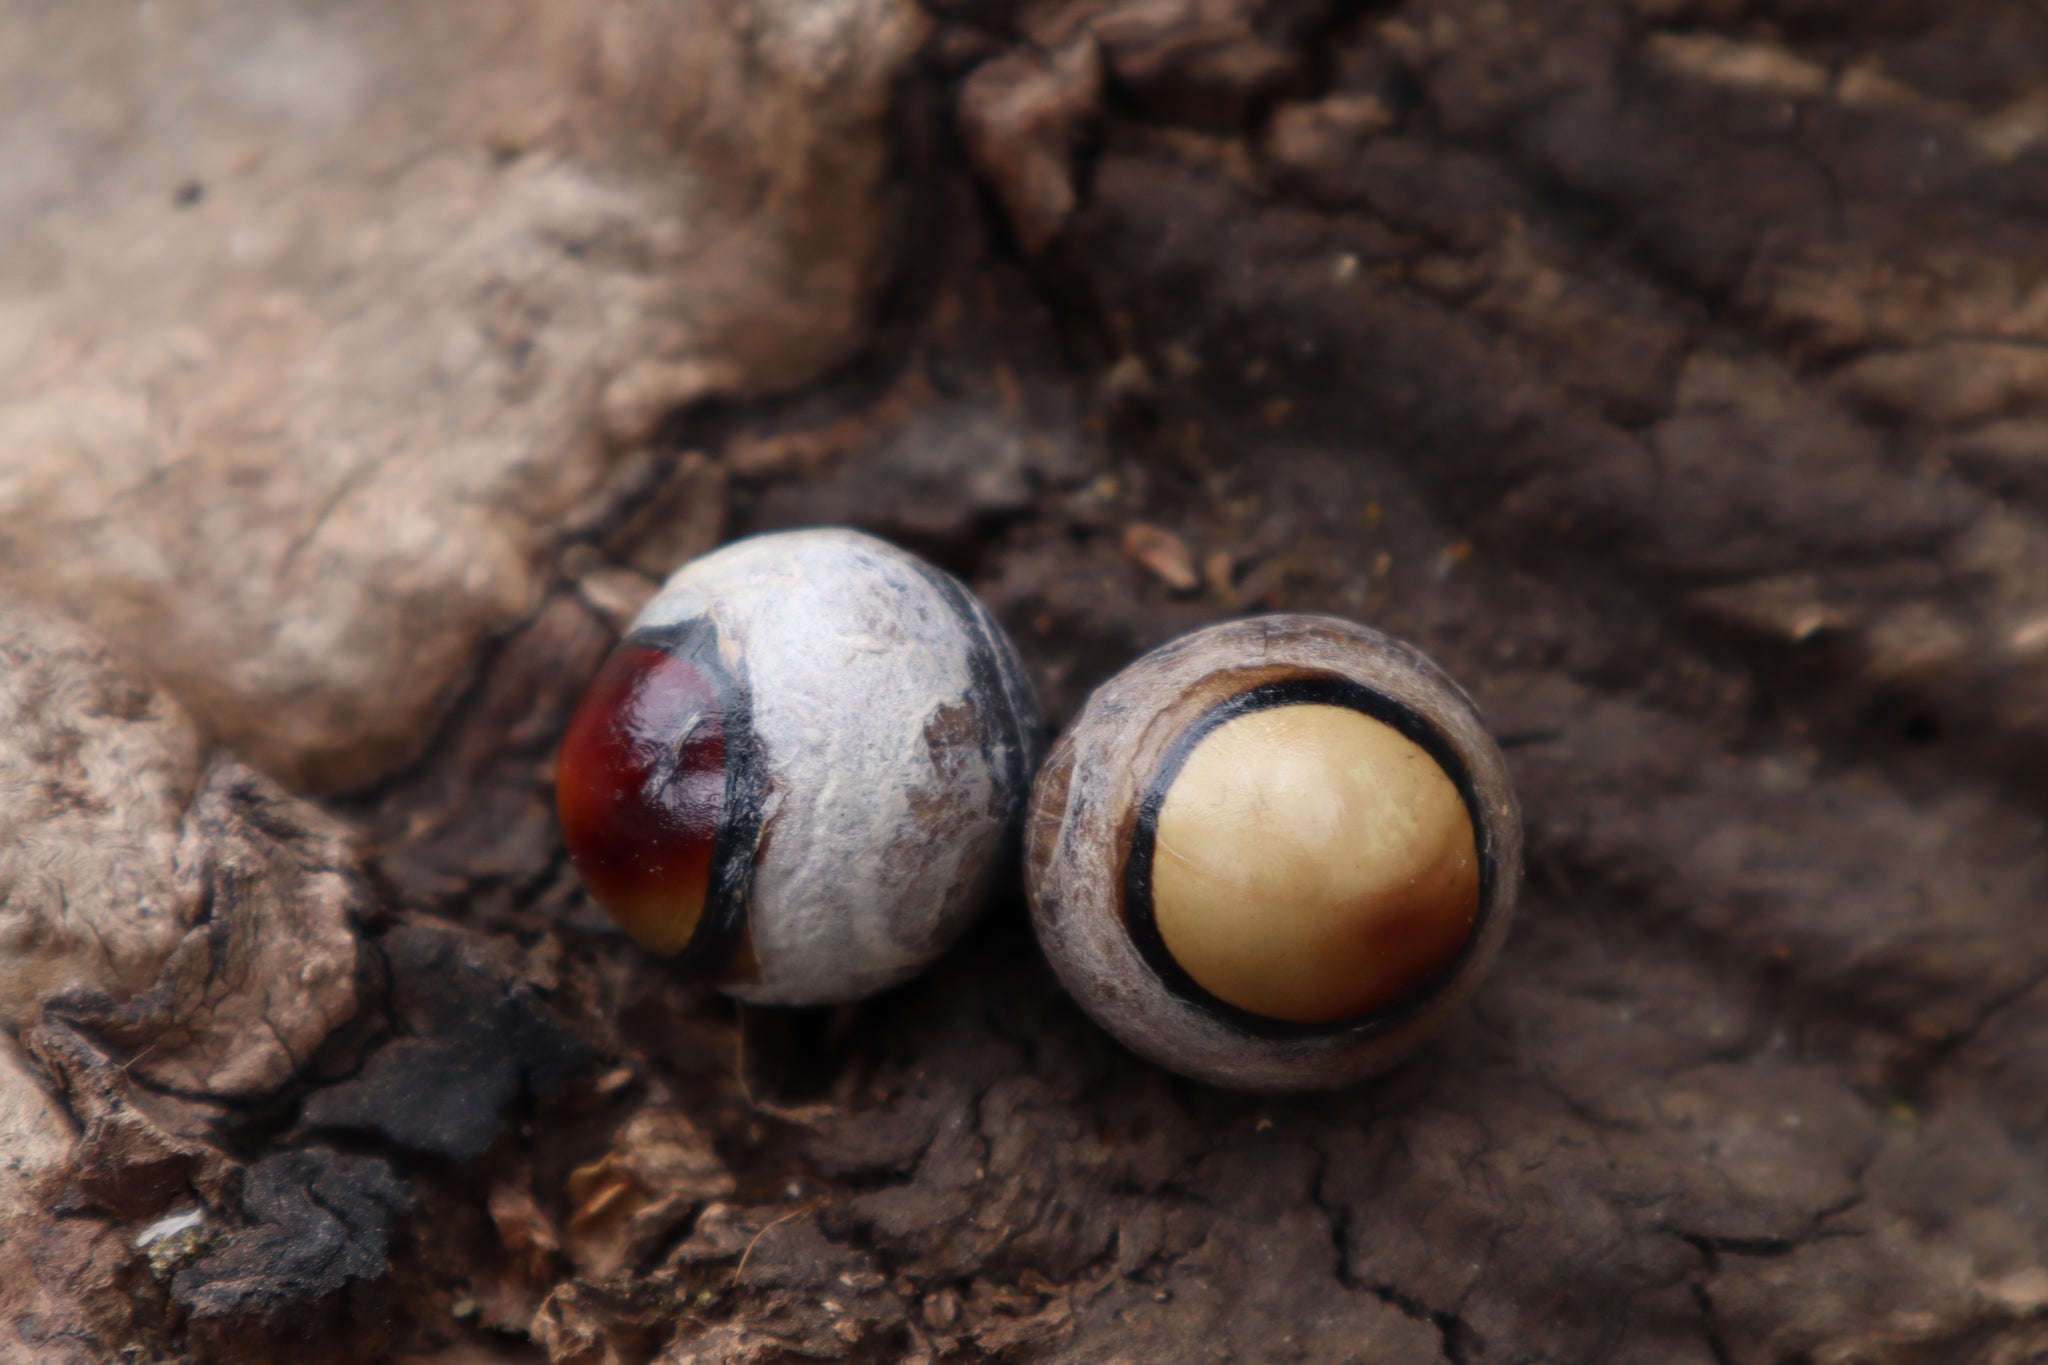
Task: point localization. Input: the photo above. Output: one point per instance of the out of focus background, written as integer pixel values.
(1673, 371)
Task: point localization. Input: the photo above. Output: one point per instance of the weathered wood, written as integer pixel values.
(1670, 371)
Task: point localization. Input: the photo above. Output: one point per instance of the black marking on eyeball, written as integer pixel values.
(722, 924)
(992, 665)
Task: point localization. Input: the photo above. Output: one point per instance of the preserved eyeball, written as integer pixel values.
(1275, 853)
(800, 768)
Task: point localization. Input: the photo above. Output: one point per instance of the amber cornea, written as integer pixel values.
(640, 787)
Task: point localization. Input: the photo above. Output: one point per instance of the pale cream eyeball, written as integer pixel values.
(1274, 854)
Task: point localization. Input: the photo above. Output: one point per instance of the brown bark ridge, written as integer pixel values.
(1673, 371)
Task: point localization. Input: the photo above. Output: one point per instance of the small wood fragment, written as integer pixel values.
(1219, 572)
(1163, 553)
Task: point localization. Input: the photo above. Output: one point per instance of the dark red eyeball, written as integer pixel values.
(800, 768)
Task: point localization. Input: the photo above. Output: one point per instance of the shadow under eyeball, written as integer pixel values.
(793, 1055)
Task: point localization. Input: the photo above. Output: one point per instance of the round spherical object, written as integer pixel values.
(1275, 853)
(800, 768)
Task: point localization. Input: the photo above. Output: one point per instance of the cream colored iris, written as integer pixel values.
(1312, 864)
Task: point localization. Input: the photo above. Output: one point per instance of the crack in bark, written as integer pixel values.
(1457, 1341)
(1710, 1324)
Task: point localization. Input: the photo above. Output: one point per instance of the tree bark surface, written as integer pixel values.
(1674, 372)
